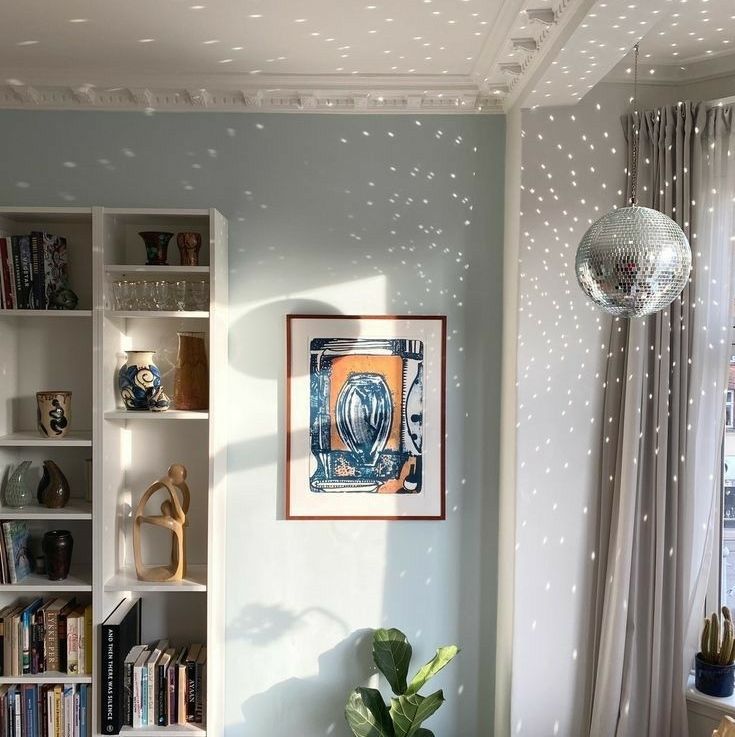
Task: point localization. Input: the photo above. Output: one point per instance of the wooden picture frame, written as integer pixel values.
(365, 417)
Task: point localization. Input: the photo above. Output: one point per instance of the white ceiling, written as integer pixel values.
(210, 37)
(341, 55)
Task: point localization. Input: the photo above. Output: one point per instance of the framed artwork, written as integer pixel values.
(365, 417)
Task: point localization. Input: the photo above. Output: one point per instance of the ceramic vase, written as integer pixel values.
(189, 245)
(191, 383)
(53, 488)
(156, 246)
(57, 548)
(17, 491)
(54, 413)
(139, 381)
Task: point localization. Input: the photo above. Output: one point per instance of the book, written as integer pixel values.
(181, 689)
(88, 639)
(15, 534)
(162, 687)
(8, 639)
(129, 665)
(118, 633)
(5, 273)
(138, 667)
(4, 612)
(200, 671)
(173, 692)
(191, 659)
(74, 621)
(55, 265)
(4, 568)
(51, 632)
(16, 271)
(61, 634)
(25, 285)
(37, 276)
(28, 618)
(9, 264)
(152, 680)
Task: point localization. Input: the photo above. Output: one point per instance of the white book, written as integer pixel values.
(50, 712)
(138, 689)
(158, 650)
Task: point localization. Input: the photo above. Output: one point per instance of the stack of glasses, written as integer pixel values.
(160, 295)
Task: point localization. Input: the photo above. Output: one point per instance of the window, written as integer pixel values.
(727, 568)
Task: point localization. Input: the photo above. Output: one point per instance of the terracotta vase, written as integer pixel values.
(191, 382)
(156, 246)
(57, 547)
(189, 245)
(53, 488)
(54, 413)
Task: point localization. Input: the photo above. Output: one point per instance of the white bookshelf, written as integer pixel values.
(80, 350)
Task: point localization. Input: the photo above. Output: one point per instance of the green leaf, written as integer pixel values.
(443, 656)
(407, 712)
(367, 714)
(392, 654)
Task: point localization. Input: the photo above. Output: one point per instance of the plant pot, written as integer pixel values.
(714, 680)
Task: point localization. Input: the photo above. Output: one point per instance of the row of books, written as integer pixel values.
(15, 553)
(42, 636)
(165, 685)
(33, 268)
(32, 710)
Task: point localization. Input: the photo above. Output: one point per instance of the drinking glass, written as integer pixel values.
(197, 295)
(180, 290)
(163, 295)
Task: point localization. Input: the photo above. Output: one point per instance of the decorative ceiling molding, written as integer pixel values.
(464, 99)
(680, 72)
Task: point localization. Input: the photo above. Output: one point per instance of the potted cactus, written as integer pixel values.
(714, 672)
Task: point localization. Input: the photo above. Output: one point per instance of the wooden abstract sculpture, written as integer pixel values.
(172, 518)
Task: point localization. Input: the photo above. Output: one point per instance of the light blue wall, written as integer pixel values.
(335, 214)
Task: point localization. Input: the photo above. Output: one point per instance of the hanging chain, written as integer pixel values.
(636, 133)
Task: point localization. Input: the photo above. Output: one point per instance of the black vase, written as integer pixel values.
(53, 488)
(57, 546)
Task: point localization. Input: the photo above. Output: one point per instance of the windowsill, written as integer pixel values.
(709, 705)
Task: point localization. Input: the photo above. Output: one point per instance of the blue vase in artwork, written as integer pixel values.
(139, 381)
(364, 414)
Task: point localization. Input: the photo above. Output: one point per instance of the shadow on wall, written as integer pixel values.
(309, 706)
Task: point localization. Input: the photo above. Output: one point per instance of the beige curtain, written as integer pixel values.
(661, 443)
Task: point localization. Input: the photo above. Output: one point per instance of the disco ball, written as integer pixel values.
(633, 261)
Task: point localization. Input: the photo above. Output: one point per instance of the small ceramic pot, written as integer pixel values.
(189, 245)
(139, 382)
(53, 488)
(713, 680)
(17, 491)
(156, 246)
(54, 413)
(57, 548)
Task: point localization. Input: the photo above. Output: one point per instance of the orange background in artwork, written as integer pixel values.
(390, 368)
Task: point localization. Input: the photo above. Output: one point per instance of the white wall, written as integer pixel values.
(376, 214)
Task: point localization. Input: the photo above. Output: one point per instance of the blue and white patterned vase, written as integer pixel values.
(140, 385)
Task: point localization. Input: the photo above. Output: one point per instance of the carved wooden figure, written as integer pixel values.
(172, 518)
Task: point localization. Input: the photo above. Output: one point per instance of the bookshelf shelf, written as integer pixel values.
(33, 439)
(75, 510)
(126, 580)
(159, 314)
(36, 582)
(56, 314)
(175, 730)
(128, 451)
(168, 415)
(171, 270)
(43, 678)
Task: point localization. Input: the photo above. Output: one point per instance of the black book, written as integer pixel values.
(37, 273)
(118, 633)
(191, 664)
(164, 663)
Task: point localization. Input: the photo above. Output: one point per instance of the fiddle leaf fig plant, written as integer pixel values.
(366, 712)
